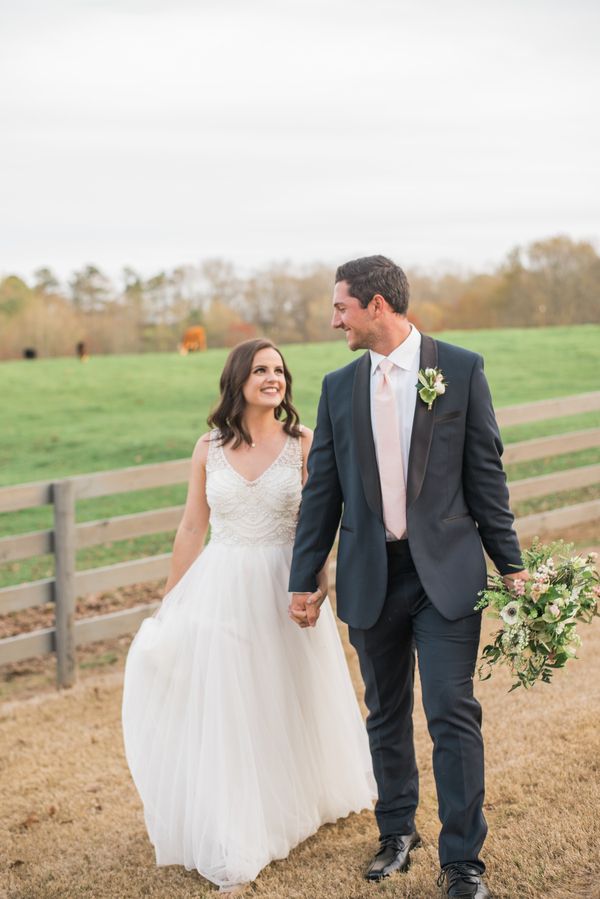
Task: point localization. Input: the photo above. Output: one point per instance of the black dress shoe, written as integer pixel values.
(463, 881)
(393, 855)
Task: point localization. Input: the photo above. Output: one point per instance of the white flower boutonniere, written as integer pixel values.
(431, 384)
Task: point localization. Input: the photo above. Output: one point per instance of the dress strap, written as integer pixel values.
(291, 456)
(298, 442)
(214, 458)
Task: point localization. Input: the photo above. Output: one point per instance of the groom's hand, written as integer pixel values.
(305, 608)
(313, 606)
(510, 579)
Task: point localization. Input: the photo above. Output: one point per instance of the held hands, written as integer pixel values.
(305, 608)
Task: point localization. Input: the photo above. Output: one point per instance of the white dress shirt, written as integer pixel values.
(403, 378)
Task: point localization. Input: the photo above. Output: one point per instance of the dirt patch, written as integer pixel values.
(94, 604)
(38, 675)
(73, 824)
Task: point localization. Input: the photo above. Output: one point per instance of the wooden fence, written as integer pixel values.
(67, 537)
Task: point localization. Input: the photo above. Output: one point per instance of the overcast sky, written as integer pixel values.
(160, 133)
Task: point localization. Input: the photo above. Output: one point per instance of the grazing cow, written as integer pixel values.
(194, 340)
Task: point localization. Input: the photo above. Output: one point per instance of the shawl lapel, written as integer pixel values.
(422, 429)
(420, 443)
(363, 435)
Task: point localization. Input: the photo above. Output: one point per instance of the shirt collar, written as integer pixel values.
(404, 354)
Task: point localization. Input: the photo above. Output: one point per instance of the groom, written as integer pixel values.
(418, 490)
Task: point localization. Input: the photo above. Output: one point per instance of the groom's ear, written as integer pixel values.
(377, 303)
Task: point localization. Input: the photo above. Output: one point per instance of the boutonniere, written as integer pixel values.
(431, 384)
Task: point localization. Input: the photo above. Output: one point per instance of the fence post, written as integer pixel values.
(63, 497)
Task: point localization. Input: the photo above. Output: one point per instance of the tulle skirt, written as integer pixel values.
(242, 731)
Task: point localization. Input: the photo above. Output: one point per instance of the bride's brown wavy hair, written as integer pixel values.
(228, 416)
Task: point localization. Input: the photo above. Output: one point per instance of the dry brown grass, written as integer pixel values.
(73, 825)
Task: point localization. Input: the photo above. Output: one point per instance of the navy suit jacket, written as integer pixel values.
(457, 498)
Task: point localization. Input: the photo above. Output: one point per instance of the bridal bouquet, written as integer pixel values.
(540, 616)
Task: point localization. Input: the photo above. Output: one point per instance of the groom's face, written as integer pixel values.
(352, 318)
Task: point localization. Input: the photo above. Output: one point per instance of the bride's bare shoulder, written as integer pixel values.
(200, 453)
(306, 437)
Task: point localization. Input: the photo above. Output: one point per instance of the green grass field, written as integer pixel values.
(61, 417)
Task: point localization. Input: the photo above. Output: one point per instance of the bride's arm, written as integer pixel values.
(193, 527)
(323, 575)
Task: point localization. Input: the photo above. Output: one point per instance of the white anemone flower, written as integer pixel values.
(510, 612)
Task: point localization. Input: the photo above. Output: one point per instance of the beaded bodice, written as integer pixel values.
(259, 512)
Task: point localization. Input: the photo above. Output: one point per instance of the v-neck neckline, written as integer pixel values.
(263, 473)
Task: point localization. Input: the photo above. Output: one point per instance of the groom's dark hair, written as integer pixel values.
(375, 274)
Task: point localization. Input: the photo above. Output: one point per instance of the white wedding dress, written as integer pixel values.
(242, 730)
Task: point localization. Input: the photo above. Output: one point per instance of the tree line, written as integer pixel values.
(555, 281)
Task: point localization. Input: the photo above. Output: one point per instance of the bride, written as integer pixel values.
(242, 731)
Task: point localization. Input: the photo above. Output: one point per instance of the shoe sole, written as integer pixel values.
(375, 878)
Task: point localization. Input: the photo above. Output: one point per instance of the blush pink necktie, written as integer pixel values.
(389, 453)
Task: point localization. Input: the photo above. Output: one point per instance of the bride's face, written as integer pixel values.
(265, 386)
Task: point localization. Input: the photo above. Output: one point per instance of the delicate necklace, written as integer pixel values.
(252, 443)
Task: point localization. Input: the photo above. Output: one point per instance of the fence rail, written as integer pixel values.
(545, 409)
(544, 447)
(91, 533)
(101, 483)
(66, 537)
